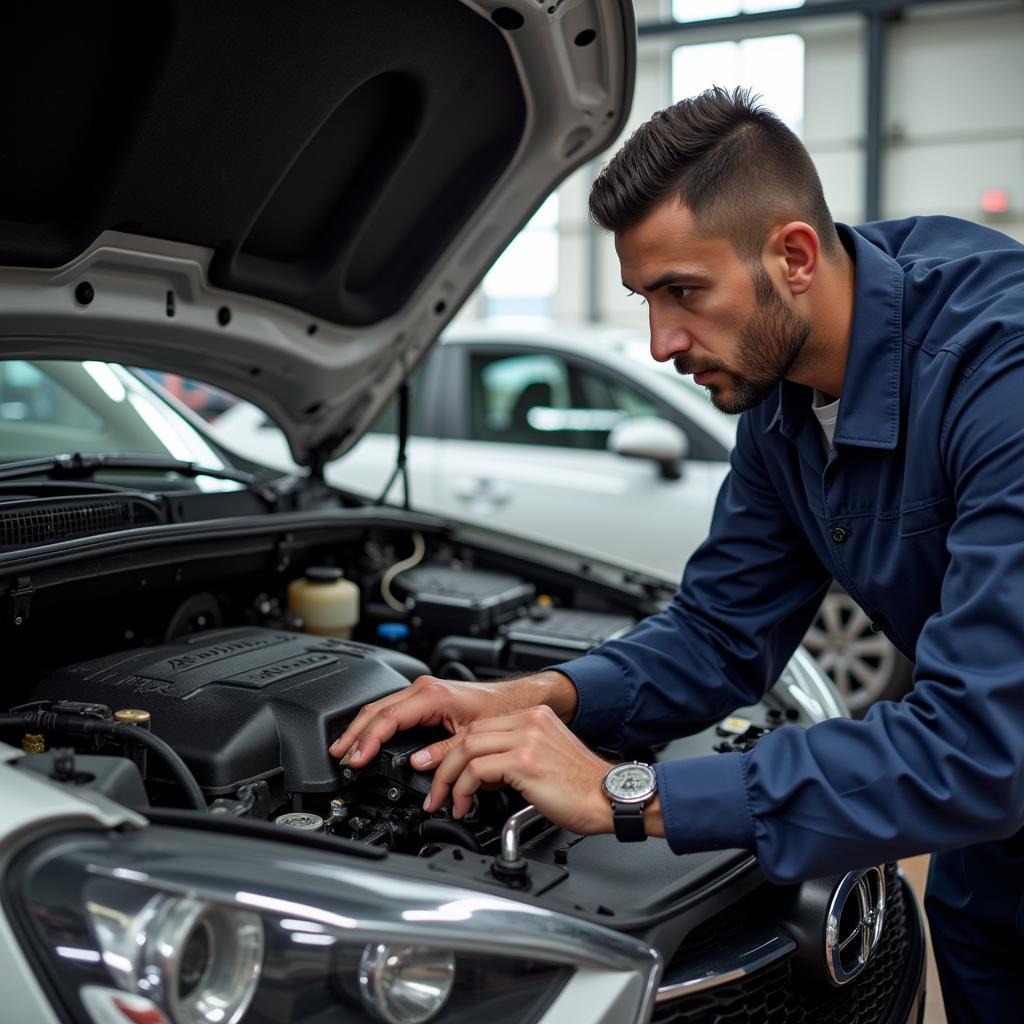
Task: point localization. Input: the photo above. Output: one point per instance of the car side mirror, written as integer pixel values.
(648, 437)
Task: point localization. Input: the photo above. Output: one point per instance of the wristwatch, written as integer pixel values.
(630, 787)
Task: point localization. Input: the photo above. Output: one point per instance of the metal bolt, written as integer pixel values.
(33, 743)
(348, 774)
(18, 620)
(394, 794)
(133, 716)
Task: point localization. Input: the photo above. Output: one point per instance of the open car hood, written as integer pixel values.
(288, 202)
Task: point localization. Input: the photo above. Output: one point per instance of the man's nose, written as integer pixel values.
(667, 339)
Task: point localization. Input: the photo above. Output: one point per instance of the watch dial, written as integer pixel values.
(629, 781)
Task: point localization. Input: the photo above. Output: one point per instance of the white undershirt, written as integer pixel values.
(827, 412)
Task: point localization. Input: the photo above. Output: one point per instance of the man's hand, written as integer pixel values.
(432, 701)
(534, 752)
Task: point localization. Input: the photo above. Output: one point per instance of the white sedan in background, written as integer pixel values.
(573, 437)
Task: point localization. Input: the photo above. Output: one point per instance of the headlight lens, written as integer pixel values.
(119, 947)
(405, 984)
(198, 960)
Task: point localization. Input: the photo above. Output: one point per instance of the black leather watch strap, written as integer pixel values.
(629, 822)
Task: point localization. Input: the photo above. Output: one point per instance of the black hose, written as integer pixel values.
(456, 670)
(79, 725)
(437, 830)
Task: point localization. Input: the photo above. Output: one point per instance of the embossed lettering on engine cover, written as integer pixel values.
(206, 655)
(243, 703)
(281, 670)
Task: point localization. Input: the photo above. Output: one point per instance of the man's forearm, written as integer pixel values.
(552, 688)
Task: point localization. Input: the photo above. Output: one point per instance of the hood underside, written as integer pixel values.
(285, 201)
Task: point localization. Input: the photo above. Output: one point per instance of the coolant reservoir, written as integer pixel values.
(325, 602)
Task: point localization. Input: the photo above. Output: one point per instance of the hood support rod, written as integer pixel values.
(403, 437)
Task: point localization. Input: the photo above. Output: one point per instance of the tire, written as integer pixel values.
(861, 661)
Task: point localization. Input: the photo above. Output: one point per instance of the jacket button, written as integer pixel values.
(838, 534)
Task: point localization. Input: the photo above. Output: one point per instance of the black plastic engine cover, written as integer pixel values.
(243, 704)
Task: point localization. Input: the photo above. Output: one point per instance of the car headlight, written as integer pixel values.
(220, 929)
(199, 961)
(405, 984)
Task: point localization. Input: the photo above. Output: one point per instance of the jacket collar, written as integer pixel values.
(869, 413)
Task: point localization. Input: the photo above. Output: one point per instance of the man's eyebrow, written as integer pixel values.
(683, 277)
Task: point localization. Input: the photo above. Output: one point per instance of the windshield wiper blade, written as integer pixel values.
(79, 466)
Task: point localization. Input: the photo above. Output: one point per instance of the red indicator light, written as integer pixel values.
(995, 200)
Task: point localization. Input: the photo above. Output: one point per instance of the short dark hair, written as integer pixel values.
(731, 161)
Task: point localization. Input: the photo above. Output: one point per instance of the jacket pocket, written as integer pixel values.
(923, 518)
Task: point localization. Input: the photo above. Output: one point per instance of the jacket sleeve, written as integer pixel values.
(746, 599)
(943, 768)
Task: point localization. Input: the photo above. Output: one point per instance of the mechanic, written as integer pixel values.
(880, 374)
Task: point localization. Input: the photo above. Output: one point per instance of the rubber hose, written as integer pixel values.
(50, 721)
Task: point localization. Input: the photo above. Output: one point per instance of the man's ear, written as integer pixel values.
(795, 251)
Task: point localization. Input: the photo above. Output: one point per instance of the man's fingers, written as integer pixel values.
(430, 757)
(371, 732)
(473, 745)
(341, 746)
(347, 742)
(344, 742)
(480, 771)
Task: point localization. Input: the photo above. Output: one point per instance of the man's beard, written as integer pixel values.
(770, 344)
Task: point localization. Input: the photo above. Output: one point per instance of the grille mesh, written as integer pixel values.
(48, 522)
(779, 995)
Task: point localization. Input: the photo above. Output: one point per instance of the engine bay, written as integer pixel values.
(250, 711)
(249, 694)
(245, 687)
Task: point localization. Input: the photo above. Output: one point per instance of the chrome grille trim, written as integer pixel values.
(755, 949)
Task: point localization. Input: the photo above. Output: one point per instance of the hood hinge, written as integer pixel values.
(321, 455)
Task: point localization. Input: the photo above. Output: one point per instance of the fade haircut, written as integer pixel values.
(731, 161)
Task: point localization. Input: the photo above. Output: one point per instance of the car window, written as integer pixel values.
(542, 399)
(30, 397)
(52, 407)
(203, 399)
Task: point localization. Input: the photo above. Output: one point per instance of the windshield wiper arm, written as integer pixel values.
(81, 466)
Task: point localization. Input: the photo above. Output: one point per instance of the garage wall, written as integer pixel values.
(953, 116)
(956, 117)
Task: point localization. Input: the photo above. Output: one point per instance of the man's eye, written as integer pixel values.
(680, 293)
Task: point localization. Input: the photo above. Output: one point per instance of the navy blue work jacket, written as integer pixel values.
(918, 512)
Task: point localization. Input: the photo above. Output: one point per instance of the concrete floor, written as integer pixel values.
(916, 870)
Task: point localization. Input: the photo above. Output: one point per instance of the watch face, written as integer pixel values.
(630, 782)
